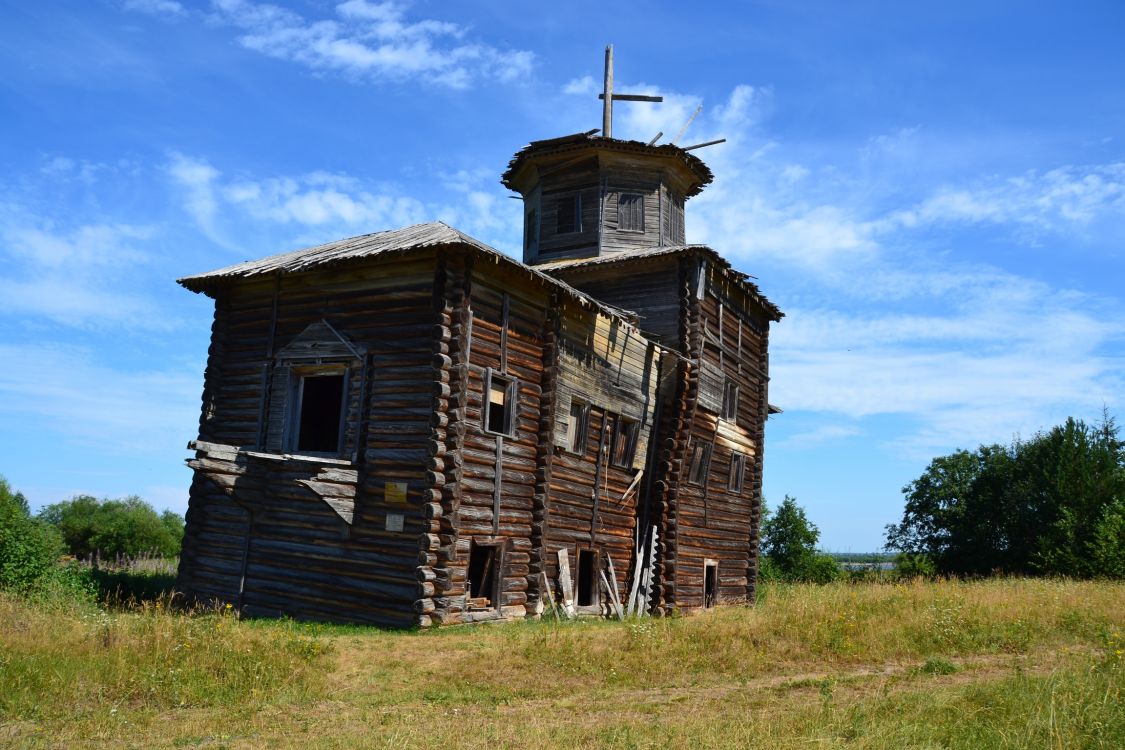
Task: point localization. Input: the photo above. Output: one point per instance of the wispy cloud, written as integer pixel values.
(320, 205)
(65, 390)
(160, 8)
(373, 41)
(78, 276)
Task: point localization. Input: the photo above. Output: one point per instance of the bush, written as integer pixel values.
(30, 552)
(914, 566)
(113, 528)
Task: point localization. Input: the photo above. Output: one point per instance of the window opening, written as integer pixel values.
(322, 402)
(568, 214)
(482, 575)
(730, 400)
(578, 427)
(710, 584)
(531, 230)
(631, 212)
(737, 472)
(587, 578)
(700, 463)
(499, 410)
(625, 442)
(676, 220)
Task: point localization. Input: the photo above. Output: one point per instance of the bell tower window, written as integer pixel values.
(568, 214)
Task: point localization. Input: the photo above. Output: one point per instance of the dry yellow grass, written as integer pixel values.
(1004, 663)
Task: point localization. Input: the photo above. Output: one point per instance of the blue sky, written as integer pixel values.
(934, 193)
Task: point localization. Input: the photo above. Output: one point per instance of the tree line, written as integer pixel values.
(1050, 505)
(83, 527)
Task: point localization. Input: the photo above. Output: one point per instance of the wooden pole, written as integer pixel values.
(607, 105)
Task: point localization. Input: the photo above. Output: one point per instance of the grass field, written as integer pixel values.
(992, 664)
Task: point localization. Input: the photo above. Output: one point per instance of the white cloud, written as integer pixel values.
(373, 41)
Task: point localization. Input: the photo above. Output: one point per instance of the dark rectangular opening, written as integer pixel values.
(531, 231)
(710, 584)
(499, 408)
(322, 401)
(730, 400)
(482, 575)
(568, 214)
(587, 578)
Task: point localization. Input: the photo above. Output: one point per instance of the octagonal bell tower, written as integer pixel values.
(588, 195)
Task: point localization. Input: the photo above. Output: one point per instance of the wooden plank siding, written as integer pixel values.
(723, 334)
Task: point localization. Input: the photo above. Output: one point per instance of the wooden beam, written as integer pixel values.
(702, 145)
(633, 98)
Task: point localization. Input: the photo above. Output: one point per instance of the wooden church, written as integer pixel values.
(412, 428)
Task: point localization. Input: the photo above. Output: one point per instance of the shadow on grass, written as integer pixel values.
(126, 586)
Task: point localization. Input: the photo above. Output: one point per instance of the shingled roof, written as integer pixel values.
(381, 245)
(579, 141)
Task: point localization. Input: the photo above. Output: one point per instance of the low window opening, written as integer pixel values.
(710, 584)
(578, 427)
(737, 472)
(587, 578)
(700, 463)
(631, 212)
(625, 442)
(322, 404)
(730, 400)
(482, 575)
(499, 409)
(568, 214)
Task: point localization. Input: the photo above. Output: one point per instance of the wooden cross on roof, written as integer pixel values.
(609, 97)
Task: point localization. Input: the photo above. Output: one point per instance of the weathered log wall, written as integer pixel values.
(300, 557)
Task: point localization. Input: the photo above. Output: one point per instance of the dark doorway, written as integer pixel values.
(482, 575)
(587, 578)
(710, 584)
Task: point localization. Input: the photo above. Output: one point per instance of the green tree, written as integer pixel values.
(127, 526)
(1045, 505)
(29, 549)
(789, 545)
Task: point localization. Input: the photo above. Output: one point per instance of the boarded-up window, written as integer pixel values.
(319, 419)
(676, 221)
(631, 212)
(568, 213)
(577, 427)
(624, 442)
(737, 472)
(700, 463)
(730, 400)
(499, 409)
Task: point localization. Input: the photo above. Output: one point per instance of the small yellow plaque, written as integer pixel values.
(394, 492)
